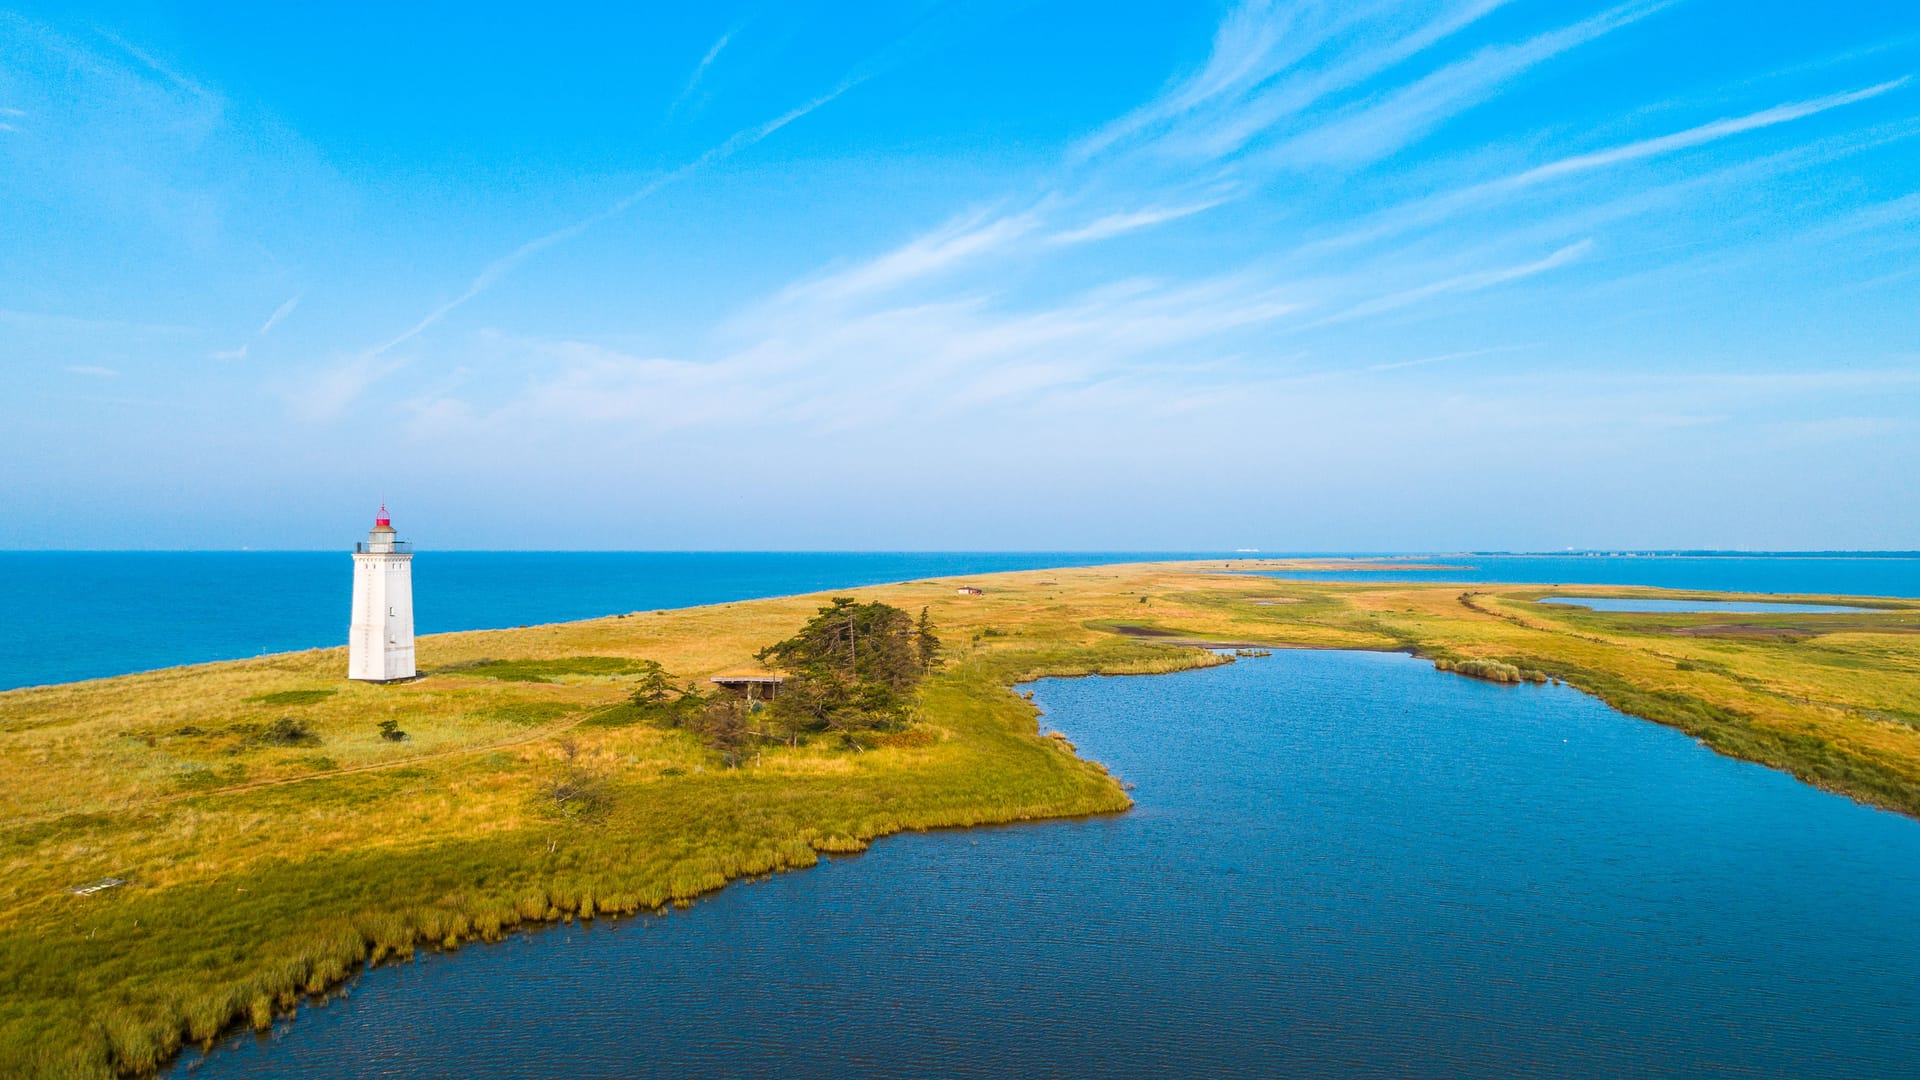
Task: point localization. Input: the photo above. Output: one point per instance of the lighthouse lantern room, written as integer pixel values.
(380, 642)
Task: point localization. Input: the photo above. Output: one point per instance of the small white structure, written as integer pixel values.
(380, 640)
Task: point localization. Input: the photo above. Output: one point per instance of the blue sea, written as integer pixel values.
(83, 615)
(86, 615)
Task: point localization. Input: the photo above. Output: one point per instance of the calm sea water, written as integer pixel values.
(1341, 864)
(83, 615)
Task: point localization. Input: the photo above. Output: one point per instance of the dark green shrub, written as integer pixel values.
(288, 731)
(291, 697)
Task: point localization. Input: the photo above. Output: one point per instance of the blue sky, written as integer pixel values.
(1373, 276)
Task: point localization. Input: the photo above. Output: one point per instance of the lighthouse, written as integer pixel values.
(380, 640)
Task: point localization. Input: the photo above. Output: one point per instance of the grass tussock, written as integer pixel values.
(292, 697)
(1491, 671)
(527, 713)
(554, 669)
(288, 731)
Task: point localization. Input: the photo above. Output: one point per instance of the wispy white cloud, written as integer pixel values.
(1695, 136)
(745, 138)
(1438, 207)
(241, 352)
(999, 327)
(927, 358)
(1830, 429)
(1893, 217)
(1274, 70)
(47, 322)
(1903, 275)
(1289, 97)
(1113, 225)
(932, 324)
(930, 321)
(700, 71)
(279, 314)
(1440, 358)
(971, 236)
(1248, 48)
(326, 395)
(157, 67)
(501, 267)
(1389, 122)
(1459, 283)
(121, 136)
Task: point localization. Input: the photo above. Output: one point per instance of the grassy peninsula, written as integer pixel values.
(276, 826)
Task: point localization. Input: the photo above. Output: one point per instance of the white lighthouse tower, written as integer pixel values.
(380, 641)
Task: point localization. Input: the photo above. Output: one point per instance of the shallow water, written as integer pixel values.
(1889, 574)
(1701, 607)
(1341, 864)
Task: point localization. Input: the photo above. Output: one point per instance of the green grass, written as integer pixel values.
(1490, 671)
(552, 670)
(292, 697)
(527, 713)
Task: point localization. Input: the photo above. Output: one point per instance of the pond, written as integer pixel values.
(1704, 607)
(1839, 573)
(1340, 864)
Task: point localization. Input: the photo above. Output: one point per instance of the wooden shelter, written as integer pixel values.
(759, 685)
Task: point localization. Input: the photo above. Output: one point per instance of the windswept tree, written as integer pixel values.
(722, 725)
(851, 667)
(719, 720)
(926, 643)
(656, 686)
(660, 700)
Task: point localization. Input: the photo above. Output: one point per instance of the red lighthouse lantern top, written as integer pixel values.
(381, 521)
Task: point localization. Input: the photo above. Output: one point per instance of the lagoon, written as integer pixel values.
(1340, 864)
(1840, 573)
(1702, 607)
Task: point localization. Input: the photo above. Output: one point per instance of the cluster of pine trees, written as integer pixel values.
(852, 668)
